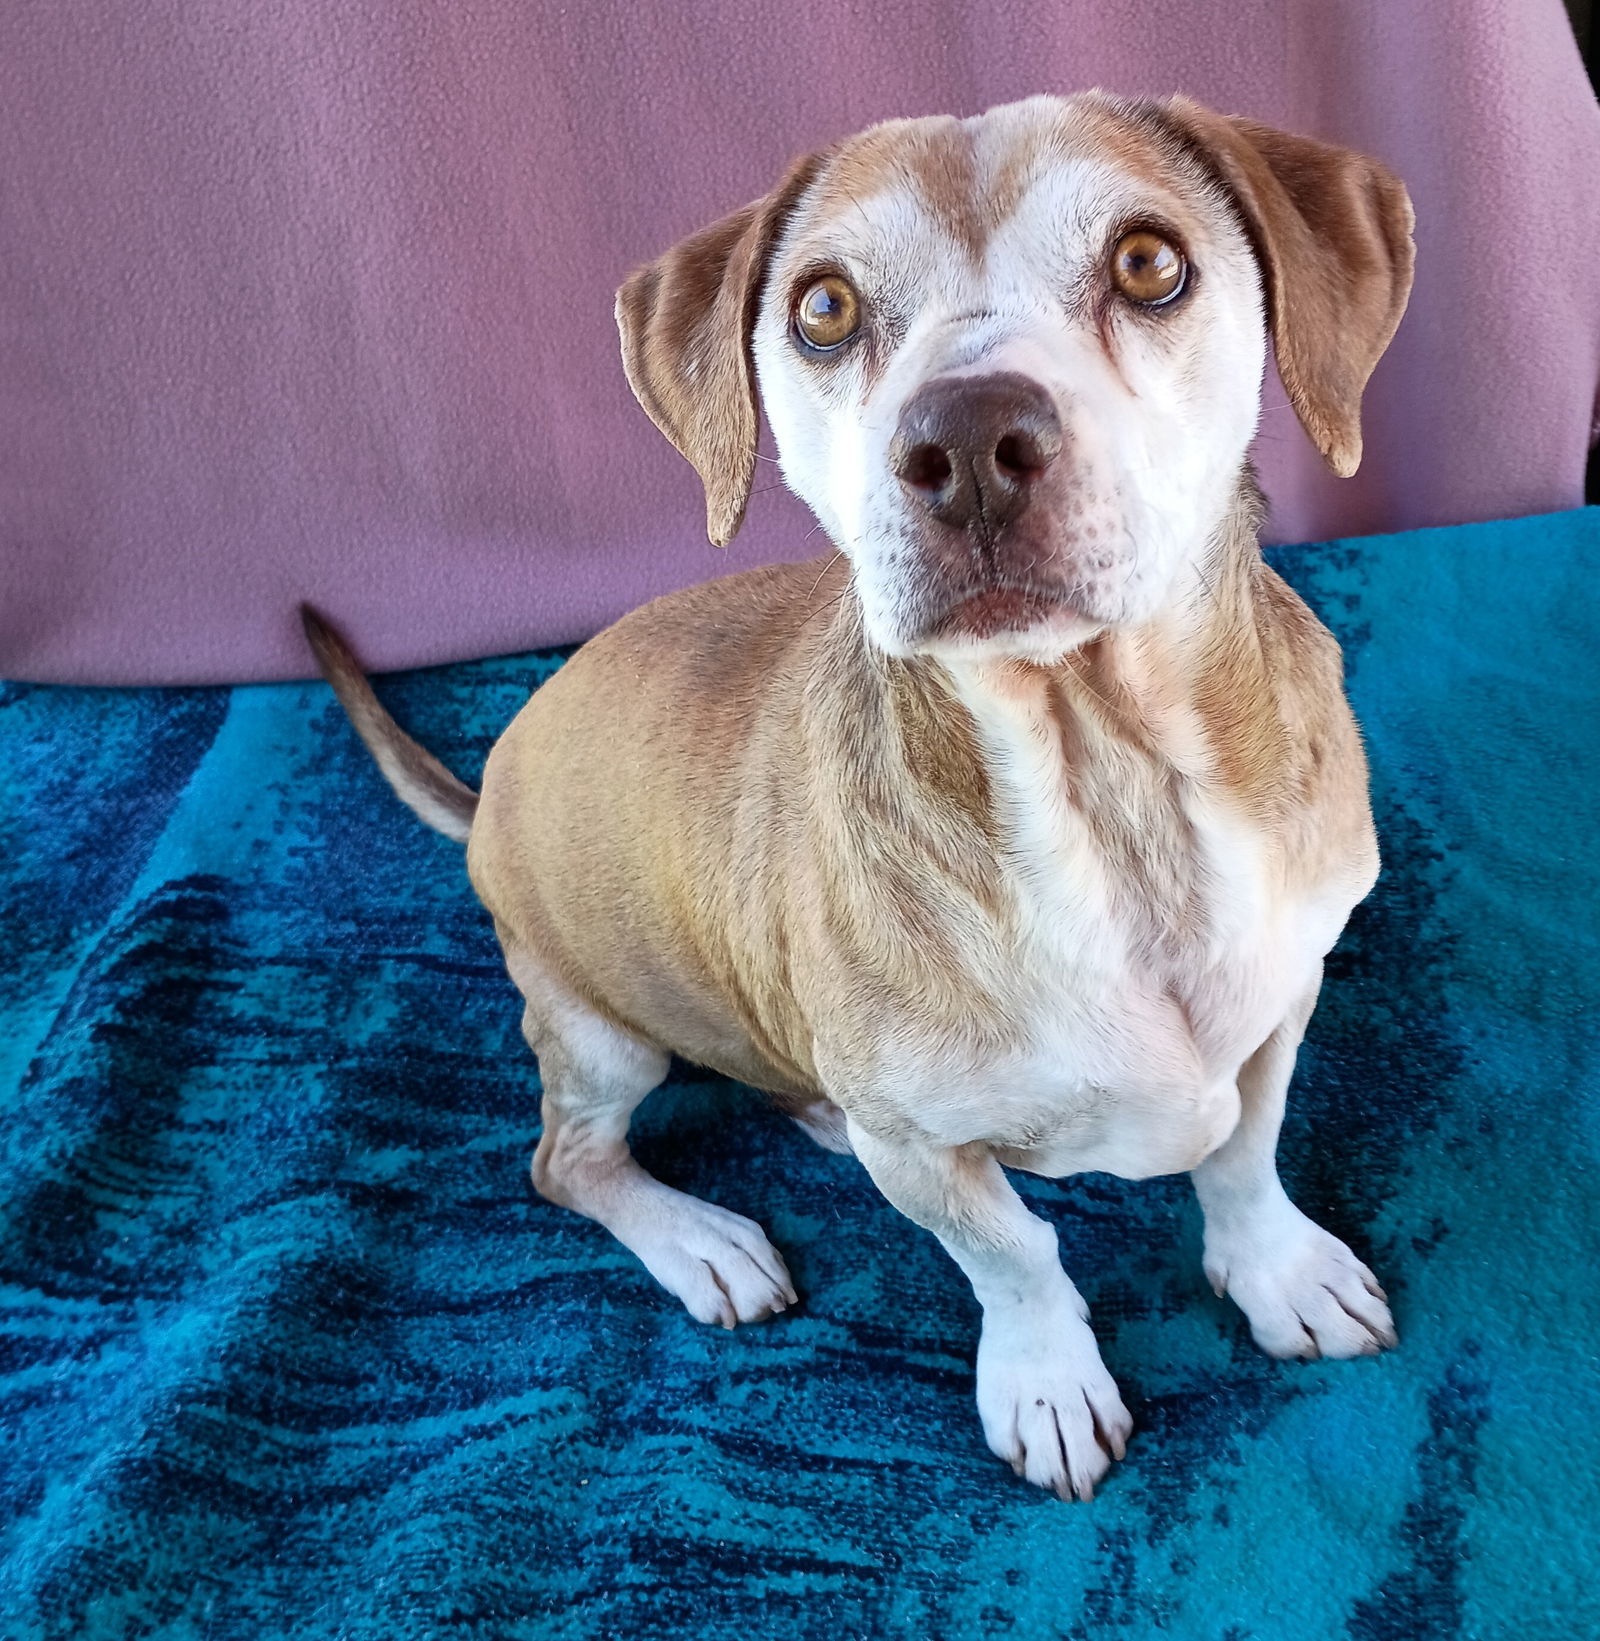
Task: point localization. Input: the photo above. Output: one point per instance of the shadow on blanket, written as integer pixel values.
(289, 1348)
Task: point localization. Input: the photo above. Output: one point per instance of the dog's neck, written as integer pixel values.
(1196, 669)
(1195, 693)
(1143, 742)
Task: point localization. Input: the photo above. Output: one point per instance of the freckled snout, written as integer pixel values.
(970, 450)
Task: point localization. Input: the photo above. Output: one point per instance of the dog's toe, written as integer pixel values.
(1308, 1296)
(720, 1264)
(1052, 1411)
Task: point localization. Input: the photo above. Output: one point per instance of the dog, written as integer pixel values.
(1014, 834)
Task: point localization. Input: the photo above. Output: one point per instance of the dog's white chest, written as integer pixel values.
(1150, 954)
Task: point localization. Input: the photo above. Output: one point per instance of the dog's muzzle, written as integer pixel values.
(982, 463)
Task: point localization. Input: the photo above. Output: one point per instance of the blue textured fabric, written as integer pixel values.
(289, 1348)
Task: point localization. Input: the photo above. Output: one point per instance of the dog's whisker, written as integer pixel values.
(822, 609)
(828, 564)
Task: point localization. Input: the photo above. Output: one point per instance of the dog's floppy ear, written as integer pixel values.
(686, 321)
(1332, 231)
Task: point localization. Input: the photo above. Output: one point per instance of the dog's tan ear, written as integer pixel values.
(686, 321)
(1332, 230)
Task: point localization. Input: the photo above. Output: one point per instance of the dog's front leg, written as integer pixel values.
(1303, 1291)
(1049, 1407)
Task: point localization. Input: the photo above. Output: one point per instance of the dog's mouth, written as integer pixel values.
(987, 612)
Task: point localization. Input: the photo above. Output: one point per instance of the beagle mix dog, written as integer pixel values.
(1014, 833)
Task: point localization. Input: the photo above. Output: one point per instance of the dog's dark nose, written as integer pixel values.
(970, 449)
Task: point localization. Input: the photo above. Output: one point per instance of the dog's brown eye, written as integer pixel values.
(1148, 269)
(829, 313)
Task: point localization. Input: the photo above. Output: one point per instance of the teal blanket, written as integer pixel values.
(289, 1348)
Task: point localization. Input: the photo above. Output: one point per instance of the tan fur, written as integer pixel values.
(423, 783)
(1333, 230)
(935, 158)
(685, 321)
(786, 828)
(940, 160)
(825, 821)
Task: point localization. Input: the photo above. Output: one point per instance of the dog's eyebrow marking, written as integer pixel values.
(937, 160)
(971, 177)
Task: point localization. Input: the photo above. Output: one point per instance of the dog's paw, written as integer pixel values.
(720, 1264)
(1049, 1407)
(1304, 1293)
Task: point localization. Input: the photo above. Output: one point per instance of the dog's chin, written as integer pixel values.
(1003, 623)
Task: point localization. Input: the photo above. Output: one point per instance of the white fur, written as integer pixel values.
(1160, 435)
(1130, 1044)
(595, 1075)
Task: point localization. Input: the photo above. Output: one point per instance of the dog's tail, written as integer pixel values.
(420, 780)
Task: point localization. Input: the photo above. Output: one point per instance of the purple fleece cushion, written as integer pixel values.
(312, 298)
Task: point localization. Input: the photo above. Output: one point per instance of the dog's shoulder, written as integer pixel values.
(1320, 792)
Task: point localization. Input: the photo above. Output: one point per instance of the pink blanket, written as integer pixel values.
(312, 298)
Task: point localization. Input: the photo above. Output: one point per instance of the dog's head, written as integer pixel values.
(1013, 363)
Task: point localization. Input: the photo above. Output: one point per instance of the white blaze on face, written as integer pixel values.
(1156, 406)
